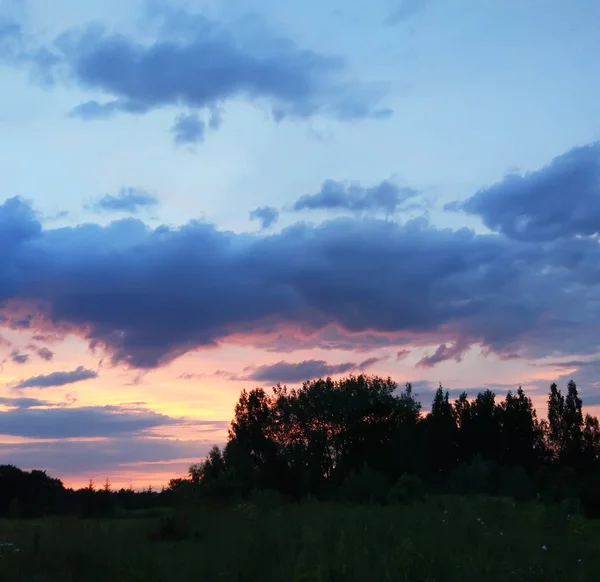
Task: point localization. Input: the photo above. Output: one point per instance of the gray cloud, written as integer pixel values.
(266, 215)
(384, 197)
(19, 358)
(57, 378)
(107, 455)
(562, 199)
(127, 200)
(196, 63)
(445, 352)
(44, 353)
(27, 420)
(375, 282)
(293, 373)
(23, 402)
(188, 129)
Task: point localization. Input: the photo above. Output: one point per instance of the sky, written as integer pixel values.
(200, 197)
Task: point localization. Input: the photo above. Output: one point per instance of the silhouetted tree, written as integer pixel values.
(441, 431)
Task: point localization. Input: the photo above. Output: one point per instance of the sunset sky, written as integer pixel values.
(203, 196)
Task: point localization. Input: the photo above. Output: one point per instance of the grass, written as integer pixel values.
(439, 540)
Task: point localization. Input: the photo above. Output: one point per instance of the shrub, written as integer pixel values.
(516, 483)
(365, 486)
(408, 489)
(172, 528)
(590, 497)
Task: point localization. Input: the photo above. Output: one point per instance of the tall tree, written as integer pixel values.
(441, 433)
(522, 434)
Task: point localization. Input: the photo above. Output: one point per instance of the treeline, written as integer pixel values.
(33, 494)
(361, 439)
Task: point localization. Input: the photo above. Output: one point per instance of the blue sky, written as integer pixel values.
(331, 156)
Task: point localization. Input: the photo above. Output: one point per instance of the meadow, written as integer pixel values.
(439, 539)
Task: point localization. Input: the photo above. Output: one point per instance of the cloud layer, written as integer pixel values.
(376, 282)
(94, 421)
(106, 455)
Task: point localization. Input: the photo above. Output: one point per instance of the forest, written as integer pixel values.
(362, 439)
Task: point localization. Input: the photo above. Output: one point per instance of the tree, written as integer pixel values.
(565, 419)
(522, 434)
(441, 433)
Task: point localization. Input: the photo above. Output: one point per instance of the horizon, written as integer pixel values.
(200, 198)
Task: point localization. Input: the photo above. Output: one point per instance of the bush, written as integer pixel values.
(590, 497)
(266, 498)
(516, 483)
(172, 528)
(408, 489)
(15, 510)
(366, 486)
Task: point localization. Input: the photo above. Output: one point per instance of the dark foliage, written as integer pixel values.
(361, 439)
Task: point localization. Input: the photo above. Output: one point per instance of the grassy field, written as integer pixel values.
(438, 540)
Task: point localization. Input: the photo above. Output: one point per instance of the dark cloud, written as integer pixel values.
(384, 197)
(561, 199)
(402, 354)
(127, 200)
(19, 358)
(330, 337)
(108, 455)
(266, 215)
(293, 373)
(445, 352)
(45, 353)
(197, 63)
(188, 129)
(57, 378)
(394, 284)
(23, 402)
(84, 422)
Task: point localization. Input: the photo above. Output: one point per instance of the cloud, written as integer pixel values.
(445, 352)
(402, 354)
(585, 373)
(384, 197)
(127, 200)
(29, 421)
(105, 455)
(188, 129)
(293, 373)
(19, 358)
(376, 282)
(57, 378)
(45, 353)
(10, 39)
(267, 215)
(561, 199)
(200, 64)
(23, 402)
